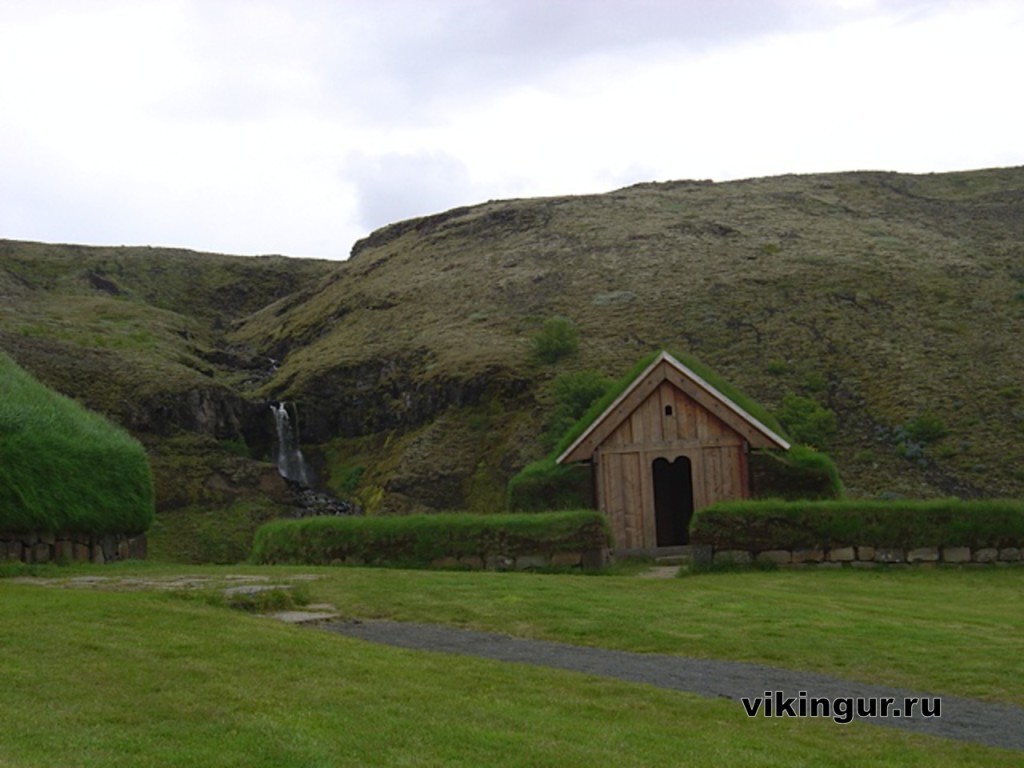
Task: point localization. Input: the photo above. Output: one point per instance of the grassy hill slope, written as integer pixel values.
(139, 335)
(894, 300)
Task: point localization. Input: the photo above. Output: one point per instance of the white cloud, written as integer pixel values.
(392, 187)
(294, 127)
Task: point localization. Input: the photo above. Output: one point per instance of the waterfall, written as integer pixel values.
(290, 462)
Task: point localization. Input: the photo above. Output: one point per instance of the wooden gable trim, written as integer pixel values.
(667, 368)
(642, 387)
(734, 417)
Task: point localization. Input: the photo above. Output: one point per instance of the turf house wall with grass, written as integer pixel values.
(73, 486)
(670, 444)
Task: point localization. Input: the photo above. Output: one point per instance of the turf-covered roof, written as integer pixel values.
(738, 409)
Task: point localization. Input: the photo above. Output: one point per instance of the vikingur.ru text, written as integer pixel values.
(842, 709)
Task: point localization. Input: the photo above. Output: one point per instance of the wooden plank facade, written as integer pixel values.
(669, 445)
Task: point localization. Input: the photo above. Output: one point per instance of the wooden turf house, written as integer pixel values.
(669, 445)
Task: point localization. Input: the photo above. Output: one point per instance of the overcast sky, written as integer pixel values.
(298, 126)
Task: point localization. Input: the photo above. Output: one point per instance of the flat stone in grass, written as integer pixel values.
(255, 589)
(311, 614)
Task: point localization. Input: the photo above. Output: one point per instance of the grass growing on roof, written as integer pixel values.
(64, 468)
(598, 407)
(799, 473)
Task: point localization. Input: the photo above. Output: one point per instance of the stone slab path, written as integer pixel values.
(996, 725)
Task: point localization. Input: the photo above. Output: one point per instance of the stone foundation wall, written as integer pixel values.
(864, 557)
(71, 547)
(591, 560)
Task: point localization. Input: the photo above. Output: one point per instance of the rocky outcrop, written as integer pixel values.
(393, 393)
(215, 411)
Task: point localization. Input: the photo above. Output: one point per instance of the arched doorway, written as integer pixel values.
(673, 501)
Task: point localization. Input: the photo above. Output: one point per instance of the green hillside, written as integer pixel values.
(63, 468)
(894, 301)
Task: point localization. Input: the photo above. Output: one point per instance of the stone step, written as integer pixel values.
(672, 560)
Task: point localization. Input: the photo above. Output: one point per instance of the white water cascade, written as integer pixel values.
(289, 459)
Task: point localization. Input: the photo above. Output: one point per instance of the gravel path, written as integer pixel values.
(997, 725)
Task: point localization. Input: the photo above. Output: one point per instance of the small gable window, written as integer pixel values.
(668, 410)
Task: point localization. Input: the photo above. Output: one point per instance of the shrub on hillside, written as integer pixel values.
(557, 338)
(574, 393)
(419, 540)
(775, 524)
(806, 420)
(64, 468)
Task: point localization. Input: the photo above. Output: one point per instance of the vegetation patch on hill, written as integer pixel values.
(64, 468)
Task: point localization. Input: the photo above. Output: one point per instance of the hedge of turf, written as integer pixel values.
(801, 473)
(420, 540)
(775, 524)
(546, 485)
(64, 468)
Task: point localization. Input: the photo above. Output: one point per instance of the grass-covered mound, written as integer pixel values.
(904, 524)
(419, 540)
(64, 468)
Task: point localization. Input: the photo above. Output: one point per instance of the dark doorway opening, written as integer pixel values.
(673, 501)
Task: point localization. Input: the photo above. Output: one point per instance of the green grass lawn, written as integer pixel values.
(144, 679)
(951, 631)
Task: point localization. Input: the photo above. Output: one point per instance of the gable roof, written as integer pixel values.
(666, 368)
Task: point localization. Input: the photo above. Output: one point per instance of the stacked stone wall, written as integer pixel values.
(589, 560)
(866, 557)
(71, 547)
